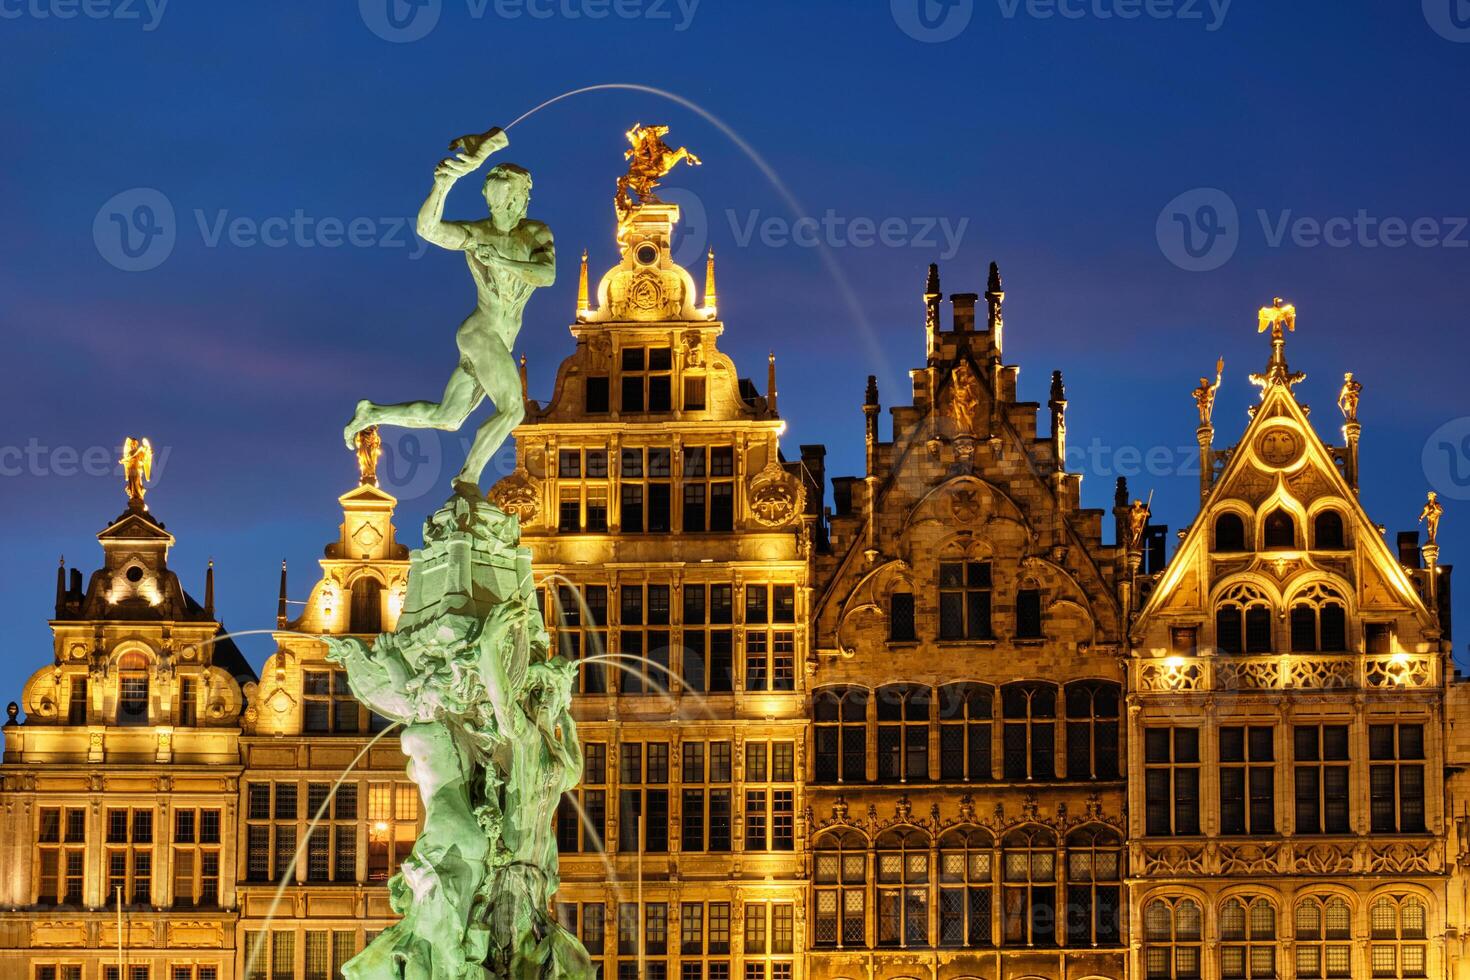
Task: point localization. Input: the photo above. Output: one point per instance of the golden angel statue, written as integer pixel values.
(369, 451)
(1429, 517)
(649, 160)
(1347, 401)
(137, 464)
(964, 399)
(1204, 395)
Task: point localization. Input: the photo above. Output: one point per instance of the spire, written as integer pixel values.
(771, 383)
(995, 296)
(281, 599)
(1058, 406)
(932, 299)
(525, 381)
(584, 303)
(61, 587)
(710, 300)
(209, 590)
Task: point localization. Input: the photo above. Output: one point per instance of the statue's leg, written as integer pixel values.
(461, 395)
(495, 369)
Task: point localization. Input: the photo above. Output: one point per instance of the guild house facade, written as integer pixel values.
(948, 725)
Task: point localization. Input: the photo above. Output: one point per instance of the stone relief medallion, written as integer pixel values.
(966, 506)
(517, 494)
(647, 293)
(1279, 446)
(775, 496)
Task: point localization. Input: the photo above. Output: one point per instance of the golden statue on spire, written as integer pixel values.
(1347, 399)
(137, 464)
(649, 160)
(1204, 395)
(1430, 517)
(369, 451)
(1279, 318)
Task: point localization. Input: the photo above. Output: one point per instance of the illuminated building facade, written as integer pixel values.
(941, 731)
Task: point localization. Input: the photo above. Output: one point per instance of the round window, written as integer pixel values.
(135, 574)
(646, 254)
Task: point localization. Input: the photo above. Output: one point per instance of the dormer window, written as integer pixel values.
(1327, 531)
(367, 606)
(1279, 531)
(1229, 533)
(132, 689)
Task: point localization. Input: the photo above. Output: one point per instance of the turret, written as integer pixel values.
(994, 299)
(932, 298)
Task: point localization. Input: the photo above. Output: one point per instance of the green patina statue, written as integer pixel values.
(486, 710)
(509, 255)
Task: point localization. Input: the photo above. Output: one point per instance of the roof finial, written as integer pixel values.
(711, 302)
(932, 298)
(369, 451)
(584, 303)
(209, 590)
(771, 383)
(525, 380)
(137, 464)
(995, 296)
(281, 599)
(1279, 318)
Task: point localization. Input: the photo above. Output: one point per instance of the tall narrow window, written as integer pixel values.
(1278, 531)
(1319, 621)
(840, 728)
(1321, 767)
(1243, 621)
(965, 717)
(966, 889)
(393, 814)
(644, 639)
(1092, 730)
(839, 885)
(1028, 614)
(1323, 939)
(1396, 778)
(903, 733)
(770, 637)
(901, 618)
(964, 600)
(61, 838)
(643, 800)
(1094, 887)
(1028, 888)
(1171, 781)
(1247, 780)
(1173, 933)
(578, 625)
(367, 606)
(132, 689)
(903, 888)
(1397, 932)
(1229, 533)
(76, 708)
(1327, 532)
(1029, 734)
(1247, 939)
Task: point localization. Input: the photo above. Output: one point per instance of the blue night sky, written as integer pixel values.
(1056, 145)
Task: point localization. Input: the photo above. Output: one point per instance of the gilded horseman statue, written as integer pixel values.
(485, 708)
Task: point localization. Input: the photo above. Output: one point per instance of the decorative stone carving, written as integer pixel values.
(1250, 859)
(1247, 675)
(1174, 860)
(1399, 670)
(517, 494)
(1325, 859)
(1171, 677)
(1402, 858)
(1321, 673)
(775, 495)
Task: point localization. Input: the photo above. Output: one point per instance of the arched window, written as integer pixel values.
(1229, 533)
(903, 888)
(1396, 933)
(840, 721)
(1327, 533)
(1172, 936)
(840, 889)
(1030, 732)
(966, 889)
(1324, 927)
(1092, 730)
(965, 712)
(903, 733)
(1278, 531)
(1029, 888)
(1243, 621)
(1319, 621)
(367, 606)
(1247, 939)
(1028, 614)
(1094, 888)
(132, 689)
